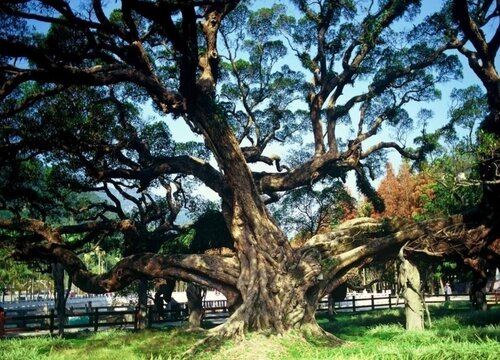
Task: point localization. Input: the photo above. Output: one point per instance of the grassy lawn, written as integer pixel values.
(457, 333)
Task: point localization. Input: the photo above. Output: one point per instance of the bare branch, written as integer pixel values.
(170, 165)
(389, 145)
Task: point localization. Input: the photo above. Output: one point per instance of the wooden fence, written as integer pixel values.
(215, 311)
(365, 302)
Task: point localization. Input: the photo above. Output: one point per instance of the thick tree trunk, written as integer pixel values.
(409, 282)
(275, 282)
(163, 295)
(142, 293)
(142, 304)
(59, 299)
(414, 310)
(478, 292)
(195, 296)
(277, 286)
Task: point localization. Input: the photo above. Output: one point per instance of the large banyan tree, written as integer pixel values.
(339, 74)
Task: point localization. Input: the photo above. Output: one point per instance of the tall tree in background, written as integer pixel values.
(471, 28)
(480, 47)
(238, 98)
(306, 212)
(402, 194)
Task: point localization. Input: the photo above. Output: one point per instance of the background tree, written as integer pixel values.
(306, 212)
(402, 194)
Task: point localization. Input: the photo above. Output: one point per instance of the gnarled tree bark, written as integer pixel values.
(195, 295)
(281, 295)
(270, 285)
(409, 283)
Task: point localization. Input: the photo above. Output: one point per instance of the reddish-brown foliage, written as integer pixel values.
(402, 194)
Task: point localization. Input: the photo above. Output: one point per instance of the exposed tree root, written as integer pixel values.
(234, 330)
(314, 333)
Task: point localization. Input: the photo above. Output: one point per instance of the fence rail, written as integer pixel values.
(94, 318)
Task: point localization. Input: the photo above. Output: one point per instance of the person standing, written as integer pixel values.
(447, 291)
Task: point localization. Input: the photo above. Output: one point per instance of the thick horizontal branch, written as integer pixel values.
(351, 245)
(305, 174)
(170, 101)
(32, 226)
(372, 239)
(389, 145)
(208, 270)
(171, 165)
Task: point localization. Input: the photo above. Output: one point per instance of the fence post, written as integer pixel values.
(353, 303)
(390, 303)
(373, 302)
(186, 310)
(96, 319)
(150, 317)
(136, 317)
(51, 321)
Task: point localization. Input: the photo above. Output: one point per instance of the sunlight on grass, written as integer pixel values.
(458, 333)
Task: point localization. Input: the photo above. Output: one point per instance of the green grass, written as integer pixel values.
(457, 333)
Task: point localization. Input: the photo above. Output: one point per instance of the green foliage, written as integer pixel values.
(66, 44)
(158, 137)
(452, 188)
(308, 210)
(452, 270)
(454, 169)
(365, 209)
(100, 259)
(209, 231)
(327, 264)
(192, 148)
(178, 245)
(469, 107)
(32, 189)
(14, 276)
(488, 147)
(255, 77)
(366, 188)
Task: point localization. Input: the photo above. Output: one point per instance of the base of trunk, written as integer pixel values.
(234, 329)
(478, 292)
(195, 296)
(409, 282)
(414, 311)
